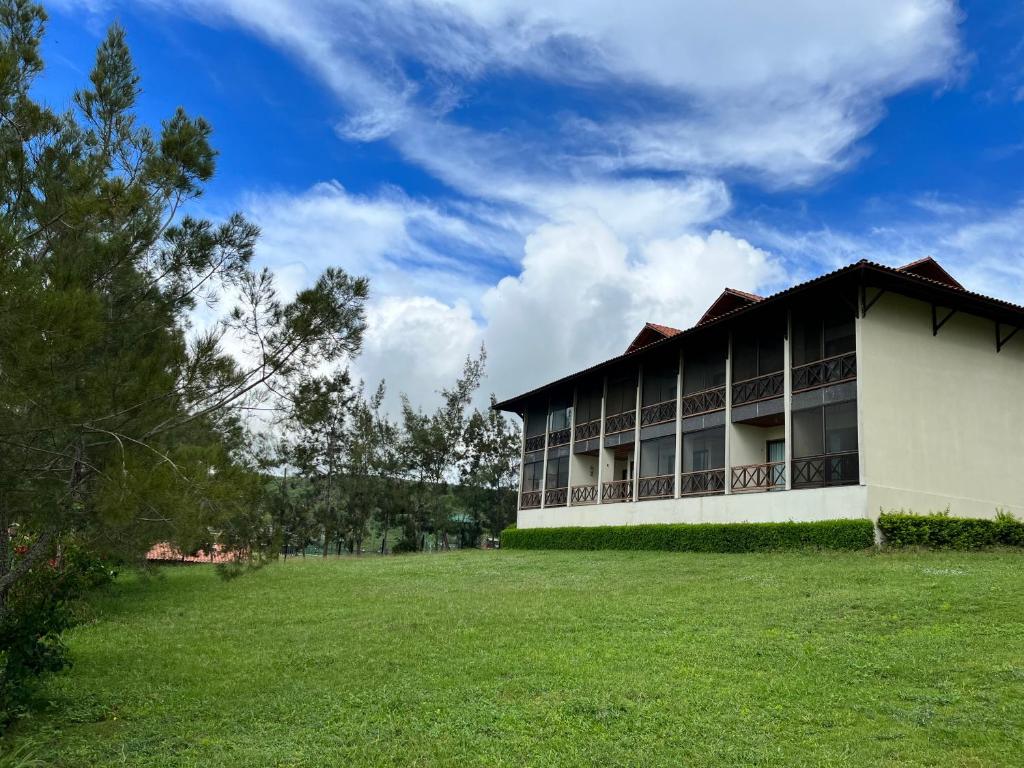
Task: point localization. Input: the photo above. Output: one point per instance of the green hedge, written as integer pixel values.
(701, 537)
(940, 531)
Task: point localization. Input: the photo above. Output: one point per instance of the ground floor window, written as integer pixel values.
(704, 450)
(658, 456)
(825, 430)
(533, 475)
(558, 472)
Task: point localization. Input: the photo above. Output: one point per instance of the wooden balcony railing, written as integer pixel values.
(759, 477)
(620, 422)
(529, 500)
(705, 482)
(559, 436)
(826, 470)
(761, 388)
(583, 494)
(535, 443)
(556, 497)
(588, 430)
(821, 373)
(658, 413)
(617, 490)
(658, 487)
(704, 402)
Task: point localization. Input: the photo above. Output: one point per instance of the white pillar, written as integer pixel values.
(544, 468)
(636, 432)
(728, 413)
(600, 441)
(678, 468)
(859, 357)
(572, 443)
(787, 399)
(522, 464)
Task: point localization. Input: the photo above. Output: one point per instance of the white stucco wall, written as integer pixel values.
(781, 506)
(748, 443)
(942, 418)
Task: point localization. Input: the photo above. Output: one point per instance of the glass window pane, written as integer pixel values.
(770, 354)
(588, 404)
(660, 382)
(532, 474)
(806, 339)
(841, 427)
(744, 356)
(704, 450)
(703, 370)
(808, 433)
(558, 472)
(621, 395)
(840, 337)
(536, 420)
(658, 456)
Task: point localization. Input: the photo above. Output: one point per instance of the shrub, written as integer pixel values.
(701, 537)
(940, 531)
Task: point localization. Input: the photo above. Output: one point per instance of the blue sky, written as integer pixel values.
(544, 180)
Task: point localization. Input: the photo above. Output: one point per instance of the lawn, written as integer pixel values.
(552, 659)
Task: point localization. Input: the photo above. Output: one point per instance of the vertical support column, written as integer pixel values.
(572, 444)
(544, 468)
(522, 464)
(728, 415)
(787, 399)
(636, 431)
(600, 441)
(858, 340)
(678, 468)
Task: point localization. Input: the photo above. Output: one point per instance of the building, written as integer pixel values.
(867, 389)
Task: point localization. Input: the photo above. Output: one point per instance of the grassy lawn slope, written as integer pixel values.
(553, 659)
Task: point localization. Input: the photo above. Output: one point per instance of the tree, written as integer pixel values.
(121, 424)
(434, 445)
(490, 468)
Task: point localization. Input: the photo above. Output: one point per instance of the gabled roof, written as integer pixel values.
(931, 269)
(859, 275)
(730, 300)
(650, 333)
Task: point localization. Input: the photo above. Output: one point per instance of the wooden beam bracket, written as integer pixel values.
(1001, 340)
(936, 323)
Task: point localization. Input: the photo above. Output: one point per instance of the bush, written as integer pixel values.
(39, 608)
(940, 531)
(701, 537)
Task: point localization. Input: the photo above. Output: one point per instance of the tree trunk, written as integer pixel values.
(384, 540)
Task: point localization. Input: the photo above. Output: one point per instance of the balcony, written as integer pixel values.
(617, 490)
(703, 483)
(556, 497)
(705, 401)
(588, 430)
(535, 443)
(620, 422)
(827, 470)
(529, 500)
(583, 494)
(751, 478)
(658, 487)
(754, 390)
(822, 373)
(558, 437)
(658, 413)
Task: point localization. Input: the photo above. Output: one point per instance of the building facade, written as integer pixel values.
(867, 389)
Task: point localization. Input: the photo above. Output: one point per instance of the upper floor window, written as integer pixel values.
(756, 353)
(660, 381)
(561, 414)
(588, 403)
(819, 335)
(621, 394)
(703, 370)
(536, 420)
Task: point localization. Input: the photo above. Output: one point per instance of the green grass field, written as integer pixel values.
(552, 659)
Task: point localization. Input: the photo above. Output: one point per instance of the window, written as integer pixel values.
(621, 395)
(558, 472)
(704, 450)
(658, 456)
(660, 381)
(561, 415)
(756, 354)
(825, 430)
(532, 475)
(588, 403)
(536, 420)
(819, 335)
(703, 370)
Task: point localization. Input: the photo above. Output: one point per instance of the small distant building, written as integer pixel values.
(165, 553)
(864, 389)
